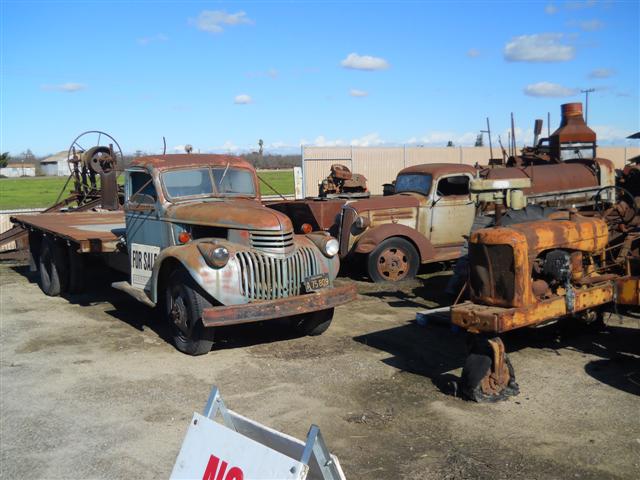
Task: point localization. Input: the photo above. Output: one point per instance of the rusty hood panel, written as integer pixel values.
(386, 203)
(229, 213)
(579, 233)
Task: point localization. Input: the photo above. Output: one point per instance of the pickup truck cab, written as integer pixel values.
(424, 221)
(197, 243)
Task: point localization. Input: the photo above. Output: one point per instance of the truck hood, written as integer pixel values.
(386, 203)
(234, 213)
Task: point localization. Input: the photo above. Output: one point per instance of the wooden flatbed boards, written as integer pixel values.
(94, 232)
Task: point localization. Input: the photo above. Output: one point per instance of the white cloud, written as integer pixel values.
(541, 47)
(548, 89)
(364, 62)
(321, 141)
(602, 73)
(65, 87)
(441, 139)
(160, 37)
(354, 92)
(242, 99)
(473, 53)
(271, 73)
(591, 25)
(550, 9)
(370, 140)
(229, 146)
(609, 133)
(213, 21)
(580, 5)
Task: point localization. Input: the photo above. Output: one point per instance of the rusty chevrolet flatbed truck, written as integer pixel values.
(197, 243)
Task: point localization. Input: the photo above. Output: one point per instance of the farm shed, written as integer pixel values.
(55, 165)
(19, 170)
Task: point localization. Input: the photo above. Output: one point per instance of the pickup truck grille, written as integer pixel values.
(264, 277)
(272, 242)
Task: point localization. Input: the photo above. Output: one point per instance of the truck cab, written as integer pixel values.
(202, 247)
(424, 221)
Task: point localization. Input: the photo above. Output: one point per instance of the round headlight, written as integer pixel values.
(331, 247)
(216, 256)
(362, 222)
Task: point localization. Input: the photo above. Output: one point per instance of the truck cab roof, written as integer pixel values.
(184, 160)
(436, 169)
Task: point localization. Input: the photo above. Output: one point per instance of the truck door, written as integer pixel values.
(452, 210)
(146, 233)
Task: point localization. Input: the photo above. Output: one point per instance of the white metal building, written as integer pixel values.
(55, 165)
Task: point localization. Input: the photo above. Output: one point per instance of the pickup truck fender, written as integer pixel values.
(189, 257)
(374, 236)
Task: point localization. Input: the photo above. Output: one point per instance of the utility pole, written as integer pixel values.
(586, 93)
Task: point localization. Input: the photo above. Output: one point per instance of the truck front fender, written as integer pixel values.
(216, 282)
(374, 236)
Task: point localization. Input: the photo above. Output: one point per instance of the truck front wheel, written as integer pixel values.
(183, 308)
(315, 323)
(395, 259)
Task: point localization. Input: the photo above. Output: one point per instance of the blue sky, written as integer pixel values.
(221, 75)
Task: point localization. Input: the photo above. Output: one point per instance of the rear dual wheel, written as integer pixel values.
(60, 267)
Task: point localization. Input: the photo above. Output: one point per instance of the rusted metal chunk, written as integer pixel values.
(283, 307)
(628, 290)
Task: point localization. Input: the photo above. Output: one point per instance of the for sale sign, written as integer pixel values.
(211, 451)
(142, 259)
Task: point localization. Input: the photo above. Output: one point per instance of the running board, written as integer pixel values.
(134, 292)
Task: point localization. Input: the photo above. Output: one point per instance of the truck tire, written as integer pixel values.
(315, 323)
(76, 270)
(183, 305)
(50, 275)
(395, 259)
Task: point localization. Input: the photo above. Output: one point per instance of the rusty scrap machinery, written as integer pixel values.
(95, 160)
(530, 273)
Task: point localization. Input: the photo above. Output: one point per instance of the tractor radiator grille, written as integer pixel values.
(492, 273)
(264, 277)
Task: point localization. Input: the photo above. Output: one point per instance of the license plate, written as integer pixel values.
(316, 282)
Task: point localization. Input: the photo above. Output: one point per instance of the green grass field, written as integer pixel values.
(42, 191)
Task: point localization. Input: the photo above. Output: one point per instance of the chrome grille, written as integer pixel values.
(273, 242)
(264, 277)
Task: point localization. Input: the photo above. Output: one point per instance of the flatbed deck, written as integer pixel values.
(95, 232)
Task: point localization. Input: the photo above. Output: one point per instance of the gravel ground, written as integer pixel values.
(90, 388)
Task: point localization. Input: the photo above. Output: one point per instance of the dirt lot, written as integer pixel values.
(91, 389)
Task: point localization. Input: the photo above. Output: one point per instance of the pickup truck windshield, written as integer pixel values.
(413, 182)
(203, 182)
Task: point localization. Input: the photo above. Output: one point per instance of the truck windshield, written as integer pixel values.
(203, 182)
(413, 182)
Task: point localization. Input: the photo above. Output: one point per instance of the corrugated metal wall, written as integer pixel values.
(381, 164)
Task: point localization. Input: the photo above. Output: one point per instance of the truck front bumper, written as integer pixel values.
(487, 319)
(282, 307)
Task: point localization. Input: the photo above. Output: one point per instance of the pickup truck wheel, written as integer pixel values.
(315, 323)
(183, 308)
(393, 260)
(50, 280)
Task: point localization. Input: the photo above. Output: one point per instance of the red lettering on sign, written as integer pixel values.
(234, 473)
(212, 466)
